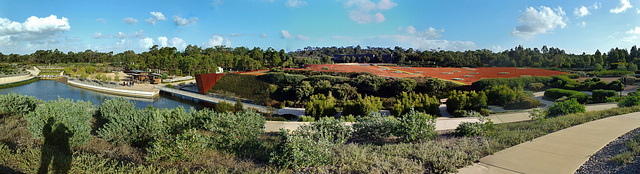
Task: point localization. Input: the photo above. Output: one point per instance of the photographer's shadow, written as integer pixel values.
(55, 150)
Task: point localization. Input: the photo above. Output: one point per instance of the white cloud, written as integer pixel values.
(638, 11)
(162, 41)
(217, 3)
(217, 40)
(101, 20)
(497, 48)
(301, 37)
(157, 16)
(629, 39)
(634, 31)
(295, 3)
(263, 35)
(146, 42)
(539, 21)
(179, 21)
(130, 21)
(581, 12)
(596, 5)
(135, 34)
(582, 24)
(178, 43)
(285, 34)
(236, 34)
(361, 11)
(34, 30)
(430, 33)
(98, 35)
(622, 7)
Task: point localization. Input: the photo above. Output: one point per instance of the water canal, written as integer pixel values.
(50, 90)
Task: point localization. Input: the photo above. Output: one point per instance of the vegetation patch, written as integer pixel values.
(245, 86)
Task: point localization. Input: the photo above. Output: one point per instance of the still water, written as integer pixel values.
(50, 90)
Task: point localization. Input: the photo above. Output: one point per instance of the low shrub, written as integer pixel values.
(462, 100)
(320, 106)
(523, 103)
(281, 78)
(479, 128)
(17, 104)
(535, 86)
(633, 99)
(420, 102)
(375, 127)
(306, 119)
(223, 107)
(348, 118)
(310, 145)
(417, 126)
(362, 106)
(511, 82)
(275, 119)
(232, 130)
(177, 148)
(566, 107)
(62, 119)
(600, 95)
(124, 124)
(556, 93)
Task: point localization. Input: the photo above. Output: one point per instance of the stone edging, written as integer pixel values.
(116, 91)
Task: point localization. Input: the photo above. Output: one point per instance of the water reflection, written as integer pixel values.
(50, 90)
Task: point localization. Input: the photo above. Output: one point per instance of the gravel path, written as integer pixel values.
(599, 162)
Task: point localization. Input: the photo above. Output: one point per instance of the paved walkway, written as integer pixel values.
(32, 74)
(559, 152)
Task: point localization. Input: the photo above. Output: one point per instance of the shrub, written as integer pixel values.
(555, 93)
(244, 86)
(362, 106)
(417, 126)
(403, 85)
(223, 107)
(369, 84)
(633, 99)
(375, 127)
(564, 82)
(510, 82)
(462, 100)
(523, 102)
(174, 149)
(232, 130)
(62, 114)
(310, 145)
(535, 86)
(332, 79)
(615, 85)
(238, 106)
(304, 90)
(306, 119)
(566, 107)
(601, 95)
(344, 91)
(281, 78)
(420, 102)
(275, 119)
(469, 129)
(17, 104)
(320, 106)
(124, 124)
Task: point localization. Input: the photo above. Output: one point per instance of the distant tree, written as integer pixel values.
(633, 67)
(597, 67)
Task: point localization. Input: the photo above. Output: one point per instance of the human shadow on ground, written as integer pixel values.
(55, 150)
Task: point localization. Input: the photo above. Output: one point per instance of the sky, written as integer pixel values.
(497, 25)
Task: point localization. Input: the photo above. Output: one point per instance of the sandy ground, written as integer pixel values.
(140, 86)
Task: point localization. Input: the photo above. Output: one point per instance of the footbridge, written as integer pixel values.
(211, 99)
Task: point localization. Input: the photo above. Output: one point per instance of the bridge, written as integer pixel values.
(211, 99)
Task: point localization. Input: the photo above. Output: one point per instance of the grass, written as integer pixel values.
(11, 85)
(632, 151)
(244, 86)
(48, 73)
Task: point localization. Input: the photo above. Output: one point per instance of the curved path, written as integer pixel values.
(8, 80)
(563, 151)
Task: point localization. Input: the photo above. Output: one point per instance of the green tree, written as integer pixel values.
(403, 85)
(406, 102)
(597, 67)
(362, 106)
(320, 106)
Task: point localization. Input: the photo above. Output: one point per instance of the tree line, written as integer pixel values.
(194, 59)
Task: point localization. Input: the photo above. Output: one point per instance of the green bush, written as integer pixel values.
(281, 78)
(320, 106)
(245, 86)
(330, 78)
(633, 99)
(344, 91)
(566, 107)
(348, 118)
(403, 85)
(420, 102)
(306, 119)
(375, 127)
(535, 86)
(223, 107)
(275, 119)
(483, 84)
(177, 148)
(232, 130)
(369, 84)
(62, 114)
(463, 100)
(601, 95)
(362, 106)
(17, 104)
(524, 102)
(555, 93)
(310, 145)
(417, 126)
(124, 124)
(469, 129)
(615, 85)
(564, 82)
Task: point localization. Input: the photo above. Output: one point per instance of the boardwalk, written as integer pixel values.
(210, 99)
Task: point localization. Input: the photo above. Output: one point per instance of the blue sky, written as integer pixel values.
(118, 25)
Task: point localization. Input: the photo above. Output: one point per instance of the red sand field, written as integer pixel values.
(462, 75)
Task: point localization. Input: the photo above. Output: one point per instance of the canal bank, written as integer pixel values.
(123, 92)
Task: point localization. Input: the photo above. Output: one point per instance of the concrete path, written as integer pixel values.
(559, 152)
(32, 74)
